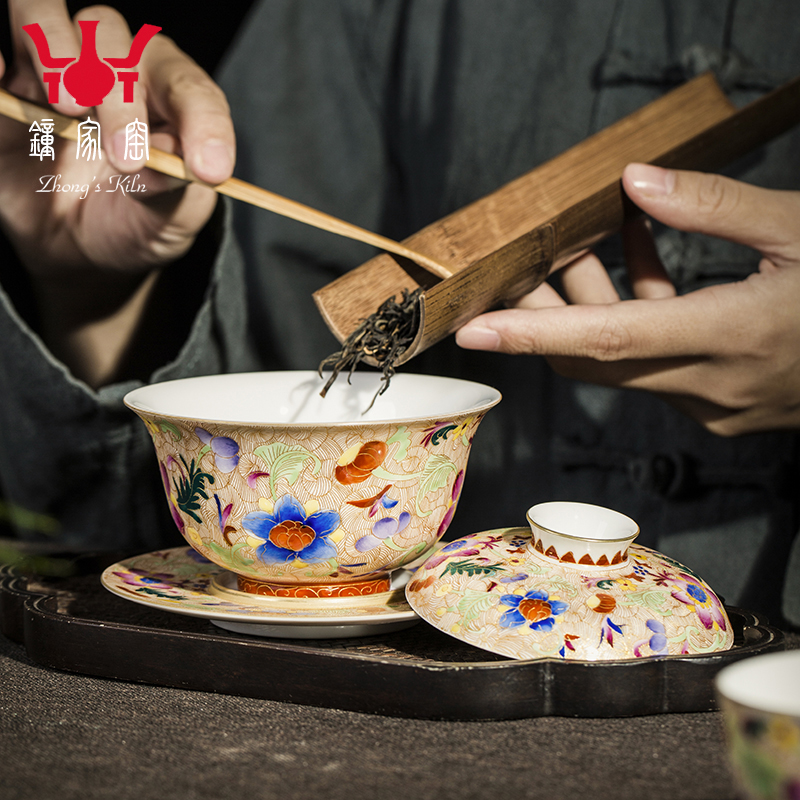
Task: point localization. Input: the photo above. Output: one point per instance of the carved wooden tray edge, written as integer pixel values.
(37, 614)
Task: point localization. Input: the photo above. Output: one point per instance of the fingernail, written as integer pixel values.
(478, 337)
(216, 160)
(650, 180)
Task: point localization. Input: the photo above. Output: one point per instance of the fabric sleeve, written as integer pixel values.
(79, 457)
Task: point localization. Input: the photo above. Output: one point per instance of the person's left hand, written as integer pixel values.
(726, 355)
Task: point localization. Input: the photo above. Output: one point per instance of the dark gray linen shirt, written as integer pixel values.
(391, 114)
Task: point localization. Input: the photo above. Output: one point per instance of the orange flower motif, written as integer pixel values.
(291, 534)
(602, 603)
(418, 585)
(368, 457)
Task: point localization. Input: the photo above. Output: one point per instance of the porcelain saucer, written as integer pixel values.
(182, 581)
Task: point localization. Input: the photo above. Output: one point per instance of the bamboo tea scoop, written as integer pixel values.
(505, 244)
(169, 164)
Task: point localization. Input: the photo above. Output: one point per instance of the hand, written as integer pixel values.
(93, 258)
(726, 355)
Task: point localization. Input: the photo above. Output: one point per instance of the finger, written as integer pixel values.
(648, 278)
(114, 115)
(600, 332)
(543, 296)
(476, 336)
(587, 281)
(168, 205)
(183, 95)
(712, 204)
(155, 183)
(53, 18)
(689, 325)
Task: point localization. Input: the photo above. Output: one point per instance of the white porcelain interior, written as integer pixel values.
(580, 532)
(768, 683)
(289, 398)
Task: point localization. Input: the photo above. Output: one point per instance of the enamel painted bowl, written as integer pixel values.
(760, 700)
(306, 496)
(572, 586)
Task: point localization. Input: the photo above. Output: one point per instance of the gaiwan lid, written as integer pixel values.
(571, 586)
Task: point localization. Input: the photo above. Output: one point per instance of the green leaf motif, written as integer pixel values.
(402, 438)
(393, 545)
(467, 567)
(653, 599)
(474, 603)
(677, 565)
(691, 630)
(231, 557)
(156, 593)
(168, 427)
(190, 487)
(436, 474)
(285, 461)
(442, 434)
(560, 585)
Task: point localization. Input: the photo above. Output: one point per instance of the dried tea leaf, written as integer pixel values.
(383, 336)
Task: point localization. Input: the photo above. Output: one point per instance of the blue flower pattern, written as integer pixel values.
(292, 535)
(534, 608)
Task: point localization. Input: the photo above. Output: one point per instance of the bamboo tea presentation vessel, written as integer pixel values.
(505, 244)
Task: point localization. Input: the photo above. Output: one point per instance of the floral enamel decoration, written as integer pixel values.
(534, 609)
(222, 517)
(435, 434)
(289, 533)
(181, 581)
(455, 493)
(689, 590)
(497, 590)
(376, 502)
(224, 448)
(657, 643)
(172, 500)
(383, 529)
(357, 467)
(319, 496)
(191, 488)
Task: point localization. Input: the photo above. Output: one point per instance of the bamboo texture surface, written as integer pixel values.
(506, 243)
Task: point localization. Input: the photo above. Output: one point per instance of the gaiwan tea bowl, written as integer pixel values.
(306, 496)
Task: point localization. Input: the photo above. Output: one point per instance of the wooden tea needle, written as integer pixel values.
(26, 112)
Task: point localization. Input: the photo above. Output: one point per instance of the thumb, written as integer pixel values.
(763, 219)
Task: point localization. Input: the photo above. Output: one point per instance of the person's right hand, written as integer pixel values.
(88, 257)
(726, 355)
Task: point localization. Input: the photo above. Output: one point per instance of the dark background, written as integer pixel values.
(201, 28)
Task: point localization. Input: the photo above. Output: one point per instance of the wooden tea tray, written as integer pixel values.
(74, 624)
